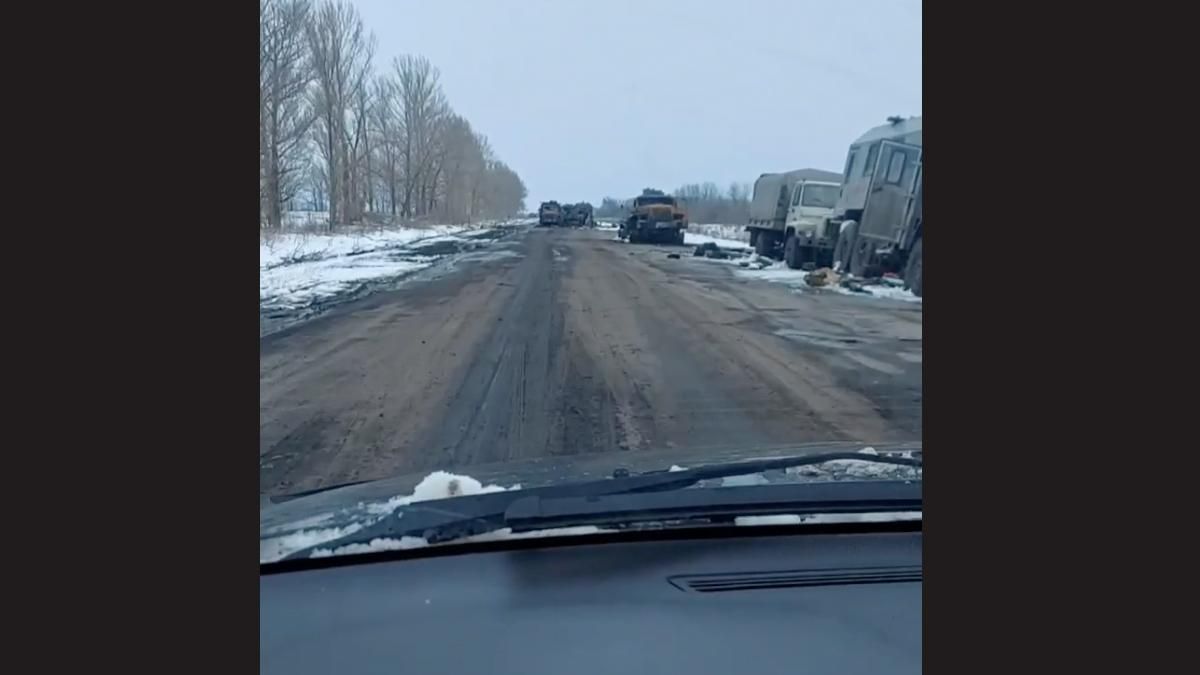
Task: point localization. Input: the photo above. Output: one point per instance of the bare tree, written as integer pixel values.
(423, 109)
(341, 57)
(284, 114)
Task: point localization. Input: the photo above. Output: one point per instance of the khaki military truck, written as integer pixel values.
(879, 213)
(655, 217)
(549, 213)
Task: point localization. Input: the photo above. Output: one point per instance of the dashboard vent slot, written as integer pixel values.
(746, 581)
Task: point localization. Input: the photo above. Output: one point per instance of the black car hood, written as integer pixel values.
(340, 506)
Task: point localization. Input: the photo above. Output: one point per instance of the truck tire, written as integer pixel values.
(792, 253)
(860, 260)
(765, 244)
(845, 245)
(679, 237)
(753, 237)
(914, 270)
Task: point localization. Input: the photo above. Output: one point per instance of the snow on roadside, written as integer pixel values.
(781, 274)
(694, 239)
(297, 268)
(293, 247)
(736, 233)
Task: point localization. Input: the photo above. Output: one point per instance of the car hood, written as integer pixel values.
(341, 506)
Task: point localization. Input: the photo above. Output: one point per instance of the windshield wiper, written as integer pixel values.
(652, 496)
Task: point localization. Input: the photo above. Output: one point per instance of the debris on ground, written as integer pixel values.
(892, 279)
(704, 248)
(808, 267)
(822, 277)
(673, 255)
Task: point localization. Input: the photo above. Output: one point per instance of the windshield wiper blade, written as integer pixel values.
(443, 520)
(714, 505)
(658, 481)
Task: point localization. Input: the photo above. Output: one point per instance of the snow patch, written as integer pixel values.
(695, 239)
(780, 273)
(736, 233)
(381, 544)
(676, 467)
(438, 485)
(271, 550)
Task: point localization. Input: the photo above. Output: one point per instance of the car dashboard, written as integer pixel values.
(804, 599)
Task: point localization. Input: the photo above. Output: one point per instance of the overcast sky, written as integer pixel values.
(587, 98)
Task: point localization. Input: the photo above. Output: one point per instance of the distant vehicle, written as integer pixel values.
(578, 215)
(790, 216)
(550, 213)
(879, 213)
(656, 218)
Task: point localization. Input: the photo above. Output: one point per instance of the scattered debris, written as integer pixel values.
(716, 254)
(822, 277)
(704, 248)
(673, 255)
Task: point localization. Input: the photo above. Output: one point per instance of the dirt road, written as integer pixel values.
(563, 342)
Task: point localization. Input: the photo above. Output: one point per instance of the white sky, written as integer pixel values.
(587, 98)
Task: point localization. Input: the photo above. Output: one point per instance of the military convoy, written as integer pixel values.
(568, 215)
(655, 217)
(867, 220)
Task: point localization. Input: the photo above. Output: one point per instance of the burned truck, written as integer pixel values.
(879, 212)
(578, 215)
(655, 217)
(549, 213)
(790, 216)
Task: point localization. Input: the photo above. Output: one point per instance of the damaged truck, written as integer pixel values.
(867, 221)
(655, 217)
(549, 213)
(879, 214)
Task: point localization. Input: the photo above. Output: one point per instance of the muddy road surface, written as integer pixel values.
(566, 342)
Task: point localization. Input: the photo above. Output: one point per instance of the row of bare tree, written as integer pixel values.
(337, 136)
(705, 203)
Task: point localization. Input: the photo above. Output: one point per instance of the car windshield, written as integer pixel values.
(824, 196)
(655, 200)
(462, 294)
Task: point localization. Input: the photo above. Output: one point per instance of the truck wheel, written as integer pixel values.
(753, 238)
(792, 254)
(765, 243)
(679, 237)
(860, 260)
(913, 270)
(845, 245)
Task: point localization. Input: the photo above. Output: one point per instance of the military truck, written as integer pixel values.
(549, 213)
(879, 212)
(790, 214)
(655, 217)
(577, 215)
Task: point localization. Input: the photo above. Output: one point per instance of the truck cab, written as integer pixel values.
(812, 204)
